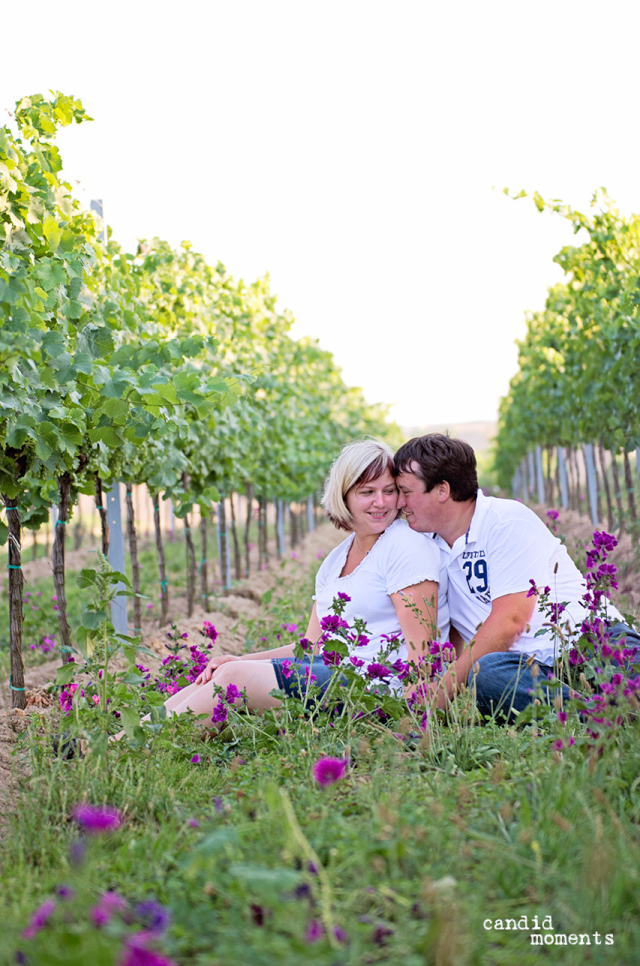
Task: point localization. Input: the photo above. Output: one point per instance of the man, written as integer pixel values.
(494, 551)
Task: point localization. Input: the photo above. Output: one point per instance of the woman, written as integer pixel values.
(381, 566)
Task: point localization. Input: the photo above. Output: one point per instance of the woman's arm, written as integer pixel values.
(417, 610)
(285, 650)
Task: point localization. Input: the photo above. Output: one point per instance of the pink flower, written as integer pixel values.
(287, 668)
(195, 759)
(137, 954)
(562, 716)
(108, 904)
(39, 919)
(327, 771)
(97, 818)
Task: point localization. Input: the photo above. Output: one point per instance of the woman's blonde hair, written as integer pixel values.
(359, 462)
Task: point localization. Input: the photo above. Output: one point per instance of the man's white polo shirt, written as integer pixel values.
(505, 547)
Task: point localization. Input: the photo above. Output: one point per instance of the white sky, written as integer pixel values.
(349, 149)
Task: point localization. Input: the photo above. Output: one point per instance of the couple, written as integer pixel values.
(459, 557)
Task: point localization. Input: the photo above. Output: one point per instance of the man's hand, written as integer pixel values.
(505, 624)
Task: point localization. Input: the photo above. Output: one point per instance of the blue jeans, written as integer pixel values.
(504, 683)
(295, 684)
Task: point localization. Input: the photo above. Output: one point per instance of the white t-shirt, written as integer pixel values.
(505, 547)
(399, 558)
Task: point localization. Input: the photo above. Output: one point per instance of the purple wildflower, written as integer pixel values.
(380, 934)
(97, 818)
(287, 668)
(136, 953)
(305, 644)
(553, 514)
(562, 716)
(340, 934)
(356, 661)
(326, 771)
(220, 713)
(314, 931)
(344, 597)
(108, 904)
(65, 892)
(209, 631)
(39, 919)
(154, 917)
(290, 628)
(232, 694)
(195, 759)
(332, 623)
(376, 670)
(331, 658)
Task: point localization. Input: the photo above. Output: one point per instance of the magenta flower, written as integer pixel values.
(220, 713)
(287, 668)
(376, 670)
(137, 954)
(232, 694)
(290, 628)
(195, 759)
(356, 661)
(108, 904)
(553, 514)
(344, 597)
(39, 919)
(562, 716)
(209, 631)
(327, 771)
(314, 931)
(97, 818)
(305, 643)
(332, 622)
(331, 658)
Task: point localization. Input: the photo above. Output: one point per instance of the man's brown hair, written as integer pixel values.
(440, 458)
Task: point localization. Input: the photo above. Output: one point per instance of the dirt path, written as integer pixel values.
(229, 614)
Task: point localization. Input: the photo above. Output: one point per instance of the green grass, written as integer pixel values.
(422, 842)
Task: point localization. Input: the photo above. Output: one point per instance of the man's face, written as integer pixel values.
(421, 509)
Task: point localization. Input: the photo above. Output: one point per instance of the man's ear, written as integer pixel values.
(444, 491)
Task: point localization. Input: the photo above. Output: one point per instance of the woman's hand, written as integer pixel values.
(212, 665)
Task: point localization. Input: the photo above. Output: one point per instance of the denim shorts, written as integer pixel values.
(294, 684)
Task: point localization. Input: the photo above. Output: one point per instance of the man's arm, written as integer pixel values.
(508, 619)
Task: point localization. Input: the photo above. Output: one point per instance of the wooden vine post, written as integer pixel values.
(16, 582)
(101, 507)
(162, 569)
(247, 530)
(628, 479)
(237, 563)
(64, 489)
(204, 574)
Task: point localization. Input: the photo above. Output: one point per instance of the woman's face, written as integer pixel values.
(373, 505)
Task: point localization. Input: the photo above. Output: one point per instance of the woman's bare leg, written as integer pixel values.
(256, 677)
